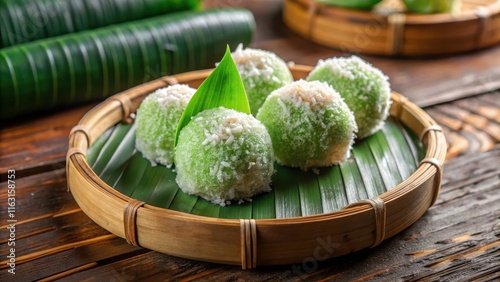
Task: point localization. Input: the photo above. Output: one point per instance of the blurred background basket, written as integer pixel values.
(475, 26)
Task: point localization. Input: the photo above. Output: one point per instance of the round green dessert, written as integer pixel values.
(309, 123)
(261, 72)
(224, 155)
(156, 122)
(365, 90)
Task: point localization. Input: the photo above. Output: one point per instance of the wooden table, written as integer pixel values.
(457, 239)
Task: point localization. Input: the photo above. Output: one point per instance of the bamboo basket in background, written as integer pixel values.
(475, 26)
(249, 242)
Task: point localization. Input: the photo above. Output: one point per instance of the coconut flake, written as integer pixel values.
(174, 95)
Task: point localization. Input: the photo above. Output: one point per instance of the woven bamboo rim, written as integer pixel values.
(476, 26)
(249, 242)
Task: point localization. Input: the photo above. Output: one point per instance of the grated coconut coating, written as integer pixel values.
(224, 155)
(365, 89)
(309, 123)
(261, 72)
(157, 119)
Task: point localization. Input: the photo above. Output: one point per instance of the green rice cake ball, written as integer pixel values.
(365, 89)
(156, 122)
(261, 72)
(224, 155)
(309, 123)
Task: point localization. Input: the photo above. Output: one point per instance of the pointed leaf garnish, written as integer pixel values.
(222, 88)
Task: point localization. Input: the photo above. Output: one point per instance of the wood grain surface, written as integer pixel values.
(458, 239)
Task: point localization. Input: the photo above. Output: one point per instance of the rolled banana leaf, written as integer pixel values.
(93, 65)
(28, 20)
(379, 163)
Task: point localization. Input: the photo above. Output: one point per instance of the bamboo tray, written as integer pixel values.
(475, 26)
(250, 242)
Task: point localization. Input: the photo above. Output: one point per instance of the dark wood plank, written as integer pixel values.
(40, 195)
(146, 267)
(34, 145)
(63, 263)
(470, 125)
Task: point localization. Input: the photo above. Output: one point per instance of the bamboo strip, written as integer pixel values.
(438, 177)
(379, 210)
(243, 239)
(170, 80)
(253, 228)
(248, 231)
(433, 127)
(126, 106)
(129, 220)
(71, 152)
(396, 33)
(83, 129)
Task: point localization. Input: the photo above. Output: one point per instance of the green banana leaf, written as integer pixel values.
(95, 64)
(24, 21)
(222, 88)
(379, 163)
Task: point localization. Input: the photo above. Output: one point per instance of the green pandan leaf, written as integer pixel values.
(222, 88)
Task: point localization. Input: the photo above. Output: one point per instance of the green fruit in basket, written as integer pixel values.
(156, 122)
(261, 72)
(365, 90)
(430, 6)
(351, 4)
(224, 155)
(309, 123)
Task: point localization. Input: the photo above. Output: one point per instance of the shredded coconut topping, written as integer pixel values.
(226, 131)
(256, 64)
(308, 94)
(353, 68)
(173, 95)
(223, 132)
